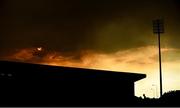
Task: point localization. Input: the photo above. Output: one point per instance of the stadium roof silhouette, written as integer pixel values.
(29, 70)
(26, 84)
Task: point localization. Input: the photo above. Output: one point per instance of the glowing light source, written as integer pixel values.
(39, 48)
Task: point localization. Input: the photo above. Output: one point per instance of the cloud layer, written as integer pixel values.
(75, 25)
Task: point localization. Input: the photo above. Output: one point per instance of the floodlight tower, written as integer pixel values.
(158, 28)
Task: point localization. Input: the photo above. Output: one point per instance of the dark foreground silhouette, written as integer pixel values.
(170, 98)
(24, 84)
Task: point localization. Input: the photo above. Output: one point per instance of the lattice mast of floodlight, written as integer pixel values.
(158, 28)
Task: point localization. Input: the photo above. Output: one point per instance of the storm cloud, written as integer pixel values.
(75, 25)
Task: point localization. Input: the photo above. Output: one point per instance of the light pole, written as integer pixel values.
(156, 90)
(153, 92)
(158, 28)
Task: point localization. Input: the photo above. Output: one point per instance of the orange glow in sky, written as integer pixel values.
(136, 60)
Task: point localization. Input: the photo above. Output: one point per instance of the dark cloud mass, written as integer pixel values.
(73, 25)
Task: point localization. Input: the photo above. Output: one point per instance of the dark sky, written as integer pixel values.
(73, 25)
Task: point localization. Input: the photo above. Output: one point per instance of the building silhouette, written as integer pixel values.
(25, 84)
